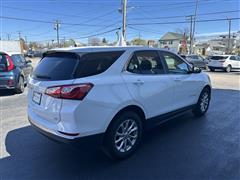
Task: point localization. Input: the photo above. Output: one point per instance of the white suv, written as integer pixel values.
(113, 94)
(224, 62)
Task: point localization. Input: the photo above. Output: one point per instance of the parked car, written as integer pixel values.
(112, 94)
(224, 62)
(30, 53)
(14, 71)
(196, 60)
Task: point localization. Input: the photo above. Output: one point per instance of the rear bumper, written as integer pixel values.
(217, 67)
(58, 137)
(7, 82)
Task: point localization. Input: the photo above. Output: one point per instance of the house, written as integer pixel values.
(152, 43)
(171, 41)
(219, 45)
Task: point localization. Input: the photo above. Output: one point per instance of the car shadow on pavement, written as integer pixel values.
(183, 148)
(9, 92)
(233, 72)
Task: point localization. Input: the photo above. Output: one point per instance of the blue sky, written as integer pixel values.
(96, 16)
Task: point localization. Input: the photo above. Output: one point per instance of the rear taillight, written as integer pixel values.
(74, 91)
(10, 65)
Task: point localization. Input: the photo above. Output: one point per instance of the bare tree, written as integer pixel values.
(94, 41)
(183, 30)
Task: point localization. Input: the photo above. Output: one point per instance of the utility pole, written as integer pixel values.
(8, 36)
(56, 27)
(64, 39)
(191, 34)
(124, 20)
(52, 43)
(194, 22)
(26, 39)
(229, 35)
(19, 35)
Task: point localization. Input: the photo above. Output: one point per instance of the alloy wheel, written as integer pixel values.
(126, 135)
(204, 102)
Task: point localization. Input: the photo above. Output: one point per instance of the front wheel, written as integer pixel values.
(123, 136)
(203, 102)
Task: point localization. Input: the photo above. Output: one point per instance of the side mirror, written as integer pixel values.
(28, 61)
(193, 69)
(196, 70)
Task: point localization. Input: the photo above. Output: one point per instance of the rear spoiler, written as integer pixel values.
(60, 53)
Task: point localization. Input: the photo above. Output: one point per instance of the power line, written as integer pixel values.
(101, 33)
(46, 22)
(181, 22)
(89, 36)
(171, 4)
(144, 30)
(107, 26)
(201, 14)
(43, 12)
(100, 16)
(177, 7)
(64, 15)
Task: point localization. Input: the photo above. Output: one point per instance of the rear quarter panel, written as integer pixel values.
(94, 113)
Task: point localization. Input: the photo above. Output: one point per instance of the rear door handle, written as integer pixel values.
(138, 82)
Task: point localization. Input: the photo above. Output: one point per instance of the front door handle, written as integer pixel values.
(139, 82)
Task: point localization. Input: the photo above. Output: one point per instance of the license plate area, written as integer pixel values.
(37, 97)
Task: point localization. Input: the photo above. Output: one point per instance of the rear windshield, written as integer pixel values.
(219, 57)
(64, 66)
(56, 66)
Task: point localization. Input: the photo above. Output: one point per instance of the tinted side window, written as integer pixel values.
(56, 66)
(95, 63)
(175, 64)
(232, 58)
(145, 62)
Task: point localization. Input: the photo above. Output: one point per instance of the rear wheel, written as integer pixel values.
(203, 102)
(123, 136)
(212, 69)
(20, 86)
(228, 68)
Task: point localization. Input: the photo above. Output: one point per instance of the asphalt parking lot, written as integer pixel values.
(184, 148)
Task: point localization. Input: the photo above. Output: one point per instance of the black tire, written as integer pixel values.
(203, 103)
(228, 68)
(212, 69)
(110, 147)
(20, 86)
